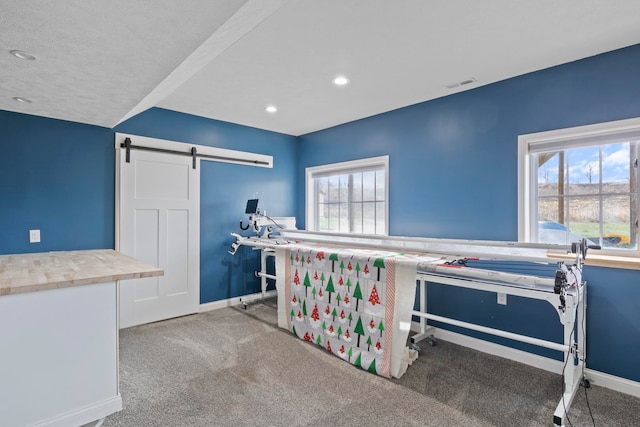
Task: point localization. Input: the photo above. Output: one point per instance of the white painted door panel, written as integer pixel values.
(159, 224)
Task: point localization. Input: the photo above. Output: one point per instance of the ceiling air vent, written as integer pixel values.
(464, 82)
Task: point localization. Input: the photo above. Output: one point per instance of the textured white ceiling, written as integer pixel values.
(96, 59)
(101, 62)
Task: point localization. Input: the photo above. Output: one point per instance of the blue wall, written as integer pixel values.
(453, 174)
(58, 177)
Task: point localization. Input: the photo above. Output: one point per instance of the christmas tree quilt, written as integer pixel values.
(354, 303)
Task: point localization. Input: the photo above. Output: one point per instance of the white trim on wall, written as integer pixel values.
(336, 168)
(88, 415)
(614, 383)
(589, 134)
(232, 302)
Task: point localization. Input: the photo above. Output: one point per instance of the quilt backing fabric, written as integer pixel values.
(354, 303)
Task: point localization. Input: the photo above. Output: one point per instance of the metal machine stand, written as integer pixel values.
(566, 293)
(262, 273)
(571, 314)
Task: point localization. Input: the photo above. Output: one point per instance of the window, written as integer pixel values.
(581, 182)
(349, 197)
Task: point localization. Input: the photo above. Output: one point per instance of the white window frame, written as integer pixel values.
(563, 139)
(352, 166)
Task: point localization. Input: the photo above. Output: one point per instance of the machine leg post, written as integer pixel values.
(574, 360)
(423, 304)
(426, 332)
(263, 269)
(262, 272)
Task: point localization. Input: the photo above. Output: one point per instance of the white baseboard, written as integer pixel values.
(84, 415)
(614, 383)
(530, 359)
(231, 302)
(601, 379)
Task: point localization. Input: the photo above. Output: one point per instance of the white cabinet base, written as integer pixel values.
(59, 356)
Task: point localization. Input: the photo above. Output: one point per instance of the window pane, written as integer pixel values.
(369, 218)
(334, 217)
(548, 169)
(380, 185)
(552, 174)
(356, 192)
(584, 218)
(616, 225)
(548, 189)
(356, 217)
(380, 218)
(344, 188)
(583, 170)
(368, 186)
(551, 209)
(334, 189)
(344, 218)
(322, 189)
(616, 162)
(323, 217)
(551, 219)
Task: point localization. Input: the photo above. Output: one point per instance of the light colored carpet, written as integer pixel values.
(234, 367)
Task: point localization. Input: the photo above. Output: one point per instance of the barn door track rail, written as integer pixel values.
(193, 153)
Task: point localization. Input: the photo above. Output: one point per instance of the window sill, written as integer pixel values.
(610, 261)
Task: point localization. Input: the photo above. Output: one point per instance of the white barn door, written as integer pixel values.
(159, 223)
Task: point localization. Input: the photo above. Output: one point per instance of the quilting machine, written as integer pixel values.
(263, 226)
(453, 265)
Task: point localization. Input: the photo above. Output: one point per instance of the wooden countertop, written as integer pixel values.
(22, 273)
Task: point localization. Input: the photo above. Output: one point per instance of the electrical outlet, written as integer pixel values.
(34, 236)
(502, 298)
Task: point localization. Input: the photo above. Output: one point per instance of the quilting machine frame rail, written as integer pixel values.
(566, 292)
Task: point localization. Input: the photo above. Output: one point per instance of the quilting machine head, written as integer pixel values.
(568, 277)
(254, 223)
(260, 222)
(253, 212)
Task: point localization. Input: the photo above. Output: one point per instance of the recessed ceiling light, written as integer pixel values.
(340, 81)
(23, 100)
(271, 109)
(22, 55)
